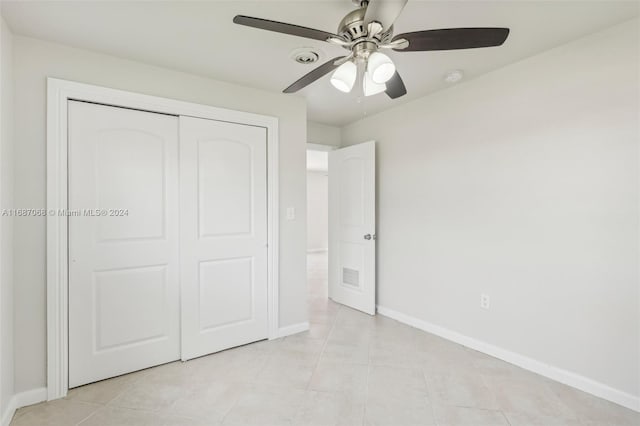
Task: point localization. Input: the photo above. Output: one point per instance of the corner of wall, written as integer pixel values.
(7, 407)
(323, 134)
(22, 399)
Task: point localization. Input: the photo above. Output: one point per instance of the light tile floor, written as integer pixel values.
(349, 369)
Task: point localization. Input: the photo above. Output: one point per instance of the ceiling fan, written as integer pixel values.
(366, 31)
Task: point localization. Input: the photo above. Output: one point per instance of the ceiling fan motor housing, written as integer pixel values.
(364, 49)
(365, 31)
(352, 27)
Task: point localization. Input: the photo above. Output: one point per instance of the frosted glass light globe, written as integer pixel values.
(344, 77)
(370, 87)
(381, 67)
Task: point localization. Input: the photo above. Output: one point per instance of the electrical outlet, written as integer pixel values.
(291, 213)
(485, 301)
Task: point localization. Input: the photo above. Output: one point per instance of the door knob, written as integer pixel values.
(369, 236)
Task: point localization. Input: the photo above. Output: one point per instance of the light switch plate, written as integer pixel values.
(291, 213)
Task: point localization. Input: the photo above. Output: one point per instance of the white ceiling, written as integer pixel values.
(199, 37)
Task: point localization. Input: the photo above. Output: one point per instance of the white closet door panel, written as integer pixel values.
(123, 273)
(225, 170)
(223, 217)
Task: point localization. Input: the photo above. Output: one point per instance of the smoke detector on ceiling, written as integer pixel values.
(453, 76)
(305, 55)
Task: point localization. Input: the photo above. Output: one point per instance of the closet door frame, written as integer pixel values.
(59, 93)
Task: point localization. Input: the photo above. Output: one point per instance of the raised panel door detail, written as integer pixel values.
(130, 175)
(351, 192)
(225, 172)
(130, 306)
(226, 292)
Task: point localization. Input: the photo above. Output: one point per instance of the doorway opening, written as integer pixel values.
(318, 231)
(341, 227)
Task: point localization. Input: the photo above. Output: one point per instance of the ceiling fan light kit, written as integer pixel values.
(378, 71)
(345, 76)
(367, 30)
(370, 87)
(381, 67)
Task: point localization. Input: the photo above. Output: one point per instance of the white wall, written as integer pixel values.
(323, 134)
(317, 210)
(6, 223)
(35, 60)
(522, 184)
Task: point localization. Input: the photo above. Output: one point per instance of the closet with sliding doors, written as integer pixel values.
(167, 238)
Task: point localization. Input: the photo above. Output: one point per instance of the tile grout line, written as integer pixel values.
(431, 403)
(366, 388)
(88, 417)
(91, 415)
(222, 419)
(324, 346)
(124, 389)
(250, 383)
(505, 417)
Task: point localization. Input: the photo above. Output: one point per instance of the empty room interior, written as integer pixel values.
(320, 213)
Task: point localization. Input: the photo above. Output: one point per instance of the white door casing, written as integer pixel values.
(123, 266)
(352, 227)
(223, 233)
(59, 93)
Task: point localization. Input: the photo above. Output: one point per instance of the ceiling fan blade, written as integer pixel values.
(281, 27)
(453, 38)
(395, 87)
(314, 75)
(384, 11)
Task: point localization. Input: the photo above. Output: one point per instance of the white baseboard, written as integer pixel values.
(23, 399)
(558, 374)
(320, 250)
(291, 329)
(34, 396)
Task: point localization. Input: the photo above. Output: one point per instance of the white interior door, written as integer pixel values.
(223, 231)
(123, 265)
(352, 227)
